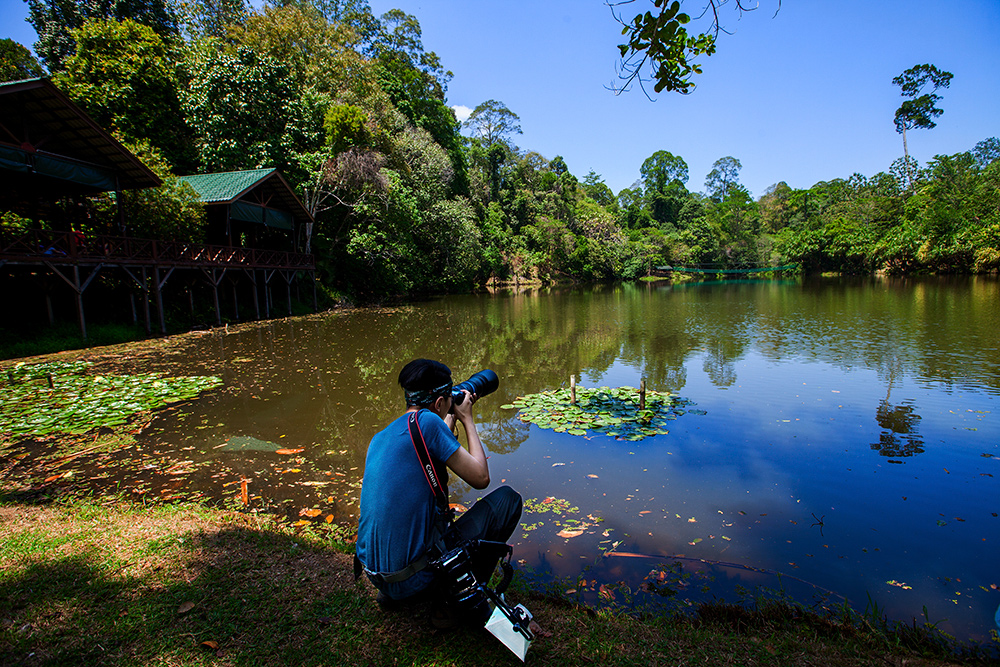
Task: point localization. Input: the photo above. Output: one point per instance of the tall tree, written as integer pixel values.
(661, 169)
(492, 121)
(240, 107)
(212, 18)
(54, 19)
(919, 110)
(725, 172)
(123, 75)
(16, 62)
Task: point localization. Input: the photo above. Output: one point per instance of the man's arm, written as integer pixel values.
(470, 465)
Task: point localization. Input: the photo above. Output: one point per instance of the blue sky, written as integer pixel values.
(801, 96)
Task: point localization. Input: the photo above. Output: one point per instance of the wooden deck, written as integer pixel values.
(78, 259)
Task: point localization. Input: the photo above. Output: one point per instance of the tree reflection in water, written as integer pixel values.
(899, 437)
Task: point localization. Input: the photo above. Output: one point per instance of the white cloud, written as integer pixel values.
(461, 112)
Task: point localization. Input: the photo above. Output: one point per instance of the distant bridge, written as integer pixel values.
(716, 269)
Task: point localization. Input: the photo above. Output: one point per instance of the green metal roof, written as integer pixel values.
(261, 187)
(224, 186)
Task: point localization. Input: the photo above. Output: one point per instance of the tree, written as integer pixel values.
(659, 44)
(239, 106)
(492, 121)
(212, 18)
(661, 169)
(987, 152)
(54, 19)
(122, 74)
(725, 172)
(919, 111)
(598, 190)
(16, 62)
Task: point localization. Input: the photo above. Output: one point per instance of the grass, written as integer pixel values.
(110, 582)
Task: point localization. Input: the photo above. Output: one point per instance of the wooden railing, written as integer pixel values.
(68, 248)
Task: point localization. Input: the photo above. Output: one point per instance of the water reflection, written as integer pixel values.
(808, 387)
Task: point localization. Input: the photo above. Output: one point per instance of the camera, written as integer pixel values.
(460, 585)
(481, 384)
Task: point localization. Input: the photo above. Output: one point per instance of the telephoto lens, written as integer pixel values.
(481, 384)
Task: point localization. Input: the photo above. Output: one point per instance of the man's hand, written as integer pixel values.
(463, 411)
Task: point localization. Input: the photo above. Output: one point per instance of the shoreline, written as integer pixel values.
(110, 581)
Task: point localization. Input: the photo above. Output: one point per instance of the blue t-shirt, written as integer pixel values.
(397, 504)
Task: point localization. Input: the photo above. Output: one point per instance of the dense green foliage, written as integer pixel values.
(353, 110)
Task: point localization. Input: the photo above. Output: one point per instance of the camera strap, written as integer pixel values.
(426, 462)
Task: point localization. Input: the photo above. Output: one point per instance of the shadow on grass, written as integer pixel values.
(236, 596)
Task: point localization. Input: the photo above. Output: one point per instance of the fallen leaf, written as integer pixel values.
(309, 512)
(645, 512)
(329, 518)
(536, 630)
(567, 533)
(592, 476)
(210, 645)
(301, 522)
(53, 478)
(288, 452)
(185, 607)
(458, 507)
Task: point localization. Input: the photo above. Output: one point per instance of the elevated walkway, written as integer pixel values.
(77, 260)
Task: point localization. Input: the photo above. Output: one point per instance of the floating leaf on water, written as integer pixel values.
(568, 533)
(592, 476)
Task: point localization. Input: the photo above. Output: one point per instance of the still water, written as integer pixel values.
(849, 446)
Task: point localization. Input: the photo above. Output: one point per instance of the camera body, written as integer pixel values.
(460, 586)
(481, 384)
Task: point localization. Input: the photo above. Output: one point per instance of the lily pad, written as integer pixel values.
(72, 401)
(610, 411)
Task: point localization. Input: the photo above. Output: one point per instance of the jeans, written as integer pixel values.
(492, 518)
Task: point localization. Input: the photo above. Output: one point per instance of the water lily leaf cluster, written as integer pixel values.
(75, 402)
(610, 411)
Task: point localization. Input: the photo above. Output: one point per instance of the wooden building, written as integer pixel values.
(50, 149)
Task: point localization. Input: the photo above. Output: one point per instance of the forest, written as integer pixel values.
(353, 110)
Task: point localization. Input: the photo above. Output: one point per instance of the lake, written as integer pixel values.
(841, 439)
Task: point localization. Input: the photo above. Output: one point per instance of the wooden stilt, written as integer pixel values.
(236, 302)
(642, 394)
(158, 287)
(256, 299)
(145, 302)
(572, 390)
